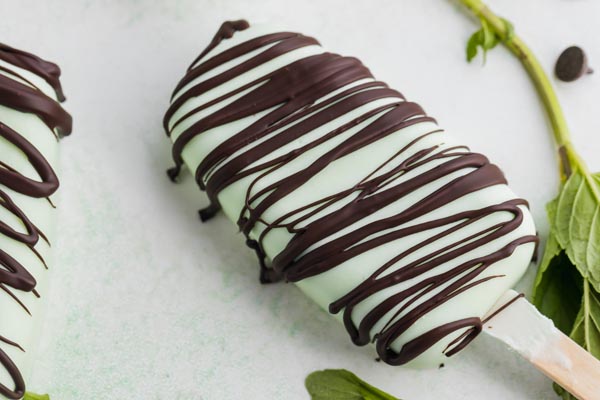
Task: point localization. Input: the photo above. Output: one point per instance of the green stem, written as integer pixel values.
(567, 156)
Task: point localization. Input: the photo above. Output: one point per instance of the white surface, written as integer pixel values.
(148, 303)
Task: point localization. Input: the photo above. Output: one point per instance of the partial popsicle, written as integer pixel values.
(31, 122)
(347, 189)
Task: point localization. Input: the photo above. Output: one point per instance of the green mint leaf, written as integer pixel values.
(558, 288)
(490, 40)
(576, 224)
(472, 46)
(563, 393)
(34, 396)
(333, 385)
(372, 393)
(484, 38)
(551, 250)
(340, 384)
(586, 330)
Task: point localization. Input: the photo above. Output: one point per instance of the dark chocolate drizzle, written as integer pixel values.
(21, 94)
(292, 93)
(49, 71)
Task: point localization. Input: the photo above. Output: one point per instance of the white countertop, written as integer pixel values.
(148, 303)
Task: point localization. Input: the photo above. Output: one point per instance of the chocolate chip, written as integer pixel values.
(572, 64)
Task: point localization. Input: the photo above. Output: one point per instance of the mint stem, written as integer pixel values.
(568, 158)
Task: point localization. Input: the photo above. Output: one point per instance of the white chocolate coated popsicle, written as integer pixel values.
(31, 121)
(350, 191)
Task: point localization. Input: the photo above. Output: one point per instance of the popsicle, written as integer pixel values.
(31, 122)
(350, 191)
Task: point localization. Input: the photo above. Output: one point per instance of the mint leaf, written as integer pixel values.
(490, 40)
(577, 224)
(340, 384)
(34, 396)
(484, 38)
(558, 289)
(568, 281)
(586, 330)
(563, 393)
(472, 44)
(487, 39)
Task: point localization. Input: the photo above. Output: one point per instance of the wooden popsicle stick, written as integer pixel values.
(517, 323)
(583, 379)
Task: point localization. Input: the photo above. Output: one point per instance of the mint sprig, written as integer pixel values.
(340, 384)
(34, 396)
(567, 287)
(574, 217)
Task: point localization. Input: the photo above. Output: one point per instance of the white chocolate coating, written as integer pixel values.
(325, 288)
(15, 323)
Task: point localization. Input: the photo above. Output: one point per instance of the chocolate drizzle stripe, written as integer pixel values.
(232, 54)
(19, 390)
(23, 98)
(20, 183)
(473, 332)
(285, 107)
(20, 94)
(48, 71)
(10, 342)
(18, 76)
(226, 31)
